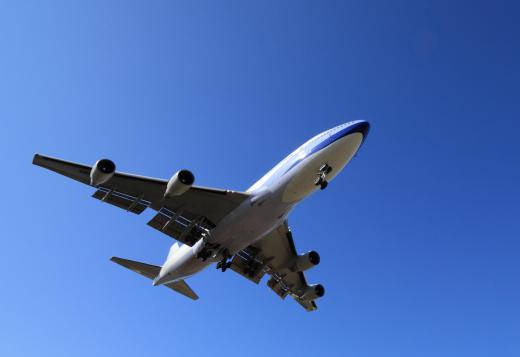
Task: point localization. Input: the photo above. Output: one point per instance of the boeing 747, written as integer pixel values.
(246, 232)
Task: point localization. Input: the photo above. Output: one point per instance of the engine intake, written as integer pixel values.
(179, 183)
(101, 172)
(313, 292)
(306, 261)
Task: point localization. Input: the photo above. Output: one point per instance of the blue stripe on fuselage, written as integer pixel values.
(317, 143)
(362, 127)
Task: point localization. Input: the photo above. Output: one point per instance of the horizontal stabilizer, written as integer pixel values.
(151, 271)
(183, 288)
(147, 270)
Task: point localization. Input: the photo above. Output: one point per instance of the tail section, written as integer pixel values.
(183, 288)
(175, 246)
(146, 270)
(151, 271)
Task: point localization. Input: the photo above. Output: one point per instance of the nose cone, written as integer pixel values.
(363, 127)
(360, 126)
(339, 132)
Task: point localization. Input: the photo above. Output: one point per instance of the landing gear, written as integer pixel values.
(208, 250)
(223, 265)
(324, 184)
(225, 262)
(321, 180)
(204, 254)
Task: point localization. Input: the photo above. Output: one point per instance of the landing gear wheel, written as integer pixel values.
(225, 266)
(224, 263)
(321, 180)
(326, 169)
(324, 184)
(204, 255)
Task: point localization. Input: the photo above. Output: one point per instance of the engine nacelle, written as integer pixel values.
(313, 292)
(101, 172)
(179, 183)
(306, 261)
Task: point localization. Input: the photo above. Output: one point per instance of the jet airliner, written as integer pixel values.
(246, 232)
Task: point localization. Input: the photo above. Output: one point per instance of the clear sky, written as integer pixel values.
(419, 236)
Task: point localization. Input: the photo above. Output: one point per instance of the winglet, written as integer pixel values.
(36, 159)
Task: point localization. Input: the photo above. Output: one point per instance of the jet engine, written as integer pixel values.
(306, 261)
(101, 172)
(313, 292)
(179, 183)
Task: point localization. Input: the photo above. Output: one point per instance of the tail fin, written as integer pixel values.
(151, 271)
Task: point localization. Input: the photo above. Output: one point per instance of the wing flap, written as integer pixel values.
(129, 203)
(177, 225)
(272, 255)
(246, 264)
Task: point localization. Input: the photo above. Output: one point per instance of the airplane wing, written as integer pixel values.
(275, 255)
(182, 217)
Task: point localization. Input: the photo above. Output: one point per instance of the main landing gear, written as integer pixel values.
(225, 262)
(208, 251)
(204, 254)
(211, 251)
(321, 180)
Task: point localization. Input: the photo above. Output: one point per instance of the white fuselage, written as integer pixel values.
(272, 198)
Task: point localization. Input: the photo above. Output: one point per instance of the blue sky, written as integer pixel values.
(419, 236)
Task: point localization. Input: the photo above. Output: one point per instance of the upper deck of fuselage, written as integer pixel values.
(312, 146)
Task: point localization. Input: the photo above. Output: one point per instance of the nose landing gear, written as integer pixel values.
(321, 180)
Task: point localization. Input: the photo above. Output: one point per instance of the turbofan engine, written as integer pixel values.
(101, 172)
(313, 292)
(306, 261)
(179, 183)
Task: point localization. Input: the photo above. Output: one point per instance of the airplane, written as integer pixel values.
(247, 232)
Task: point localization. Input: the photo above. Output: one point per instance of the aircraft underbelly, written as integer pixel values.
(336, 155)
(248, 223)
(257, 216)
